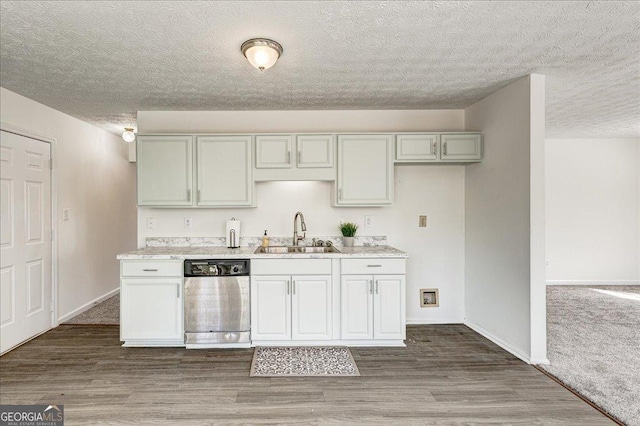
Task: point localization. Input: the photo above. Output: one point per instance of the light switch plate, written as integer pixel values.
(368, 221)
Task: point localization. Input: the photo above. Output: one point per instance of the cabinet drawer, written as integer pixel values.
(373, 266)
(151, 268)
(290, 266)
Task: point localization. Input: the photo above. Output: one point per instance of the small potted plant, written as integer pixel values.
(348, 230)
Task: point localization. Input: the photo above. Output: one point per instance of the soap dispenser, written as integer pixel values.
(265, 239)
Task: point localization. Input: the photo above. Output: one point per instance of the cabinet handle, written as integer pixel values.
(374, 266)
(178, 290)
(150, 270)
(288, 287)
(198, 195)
(298, 157)
(371, 286)
(188, 195)
(340, 194)
(289, 157)
(294, 288)
(444, 148)
(376, 286)
(434, 148)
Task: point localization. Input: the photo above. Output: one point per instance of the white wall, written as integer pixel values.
(593, 211)
(97, 184)
(499, 207)
(436, 253)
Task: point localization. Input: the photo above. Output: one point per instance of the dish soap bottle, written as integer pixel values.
(265, 239)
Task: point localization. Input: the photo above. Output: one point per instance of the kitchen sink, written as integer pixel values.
(295, 249)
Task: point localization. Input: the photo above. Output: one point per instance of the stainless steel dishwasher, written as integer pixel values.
(216, 303)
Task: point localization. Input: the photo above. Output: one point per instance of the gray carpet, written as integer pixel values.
(594, 345)
(105, 313)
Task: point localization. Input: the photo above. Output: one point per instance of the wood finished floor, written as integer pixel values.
(447, 375)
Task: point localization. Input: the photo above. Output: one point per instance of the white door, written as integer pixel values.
(224, 171)
(461, 147)
(26, 302)
(311, 307)
(389, 307)
(357, 307)
(418, 148)
(151, 309)
(315, 151)
(365, 170)
(271, 307)
(273, 151)
(165, 170)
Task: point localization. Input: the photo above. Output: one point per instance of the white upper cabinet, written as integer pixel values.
(365, 170)
(273, 151)
(165, 173)
(461, 147)
(417, 148)
(315, 151)
(311, 157)
(224, 171)
(438, 147)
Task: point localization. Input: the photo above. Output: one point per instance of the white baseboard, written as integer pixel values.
(88, 306)
(498, 341)
(593, 282)
(541, 361)
(427, 321)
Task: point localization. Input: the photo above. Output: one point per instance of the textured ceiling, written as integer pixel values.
(103, 61)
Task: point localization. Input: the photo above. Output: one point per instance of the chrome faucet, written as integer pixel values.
(303, 226)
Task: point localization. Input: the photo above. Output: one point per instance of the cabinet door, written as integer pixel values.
(311, 307)
(417, 148)
(389, 307)
(315, 151)
(224, 171)
(165, 170)
(365, 170)
(151, 309)
(273, 151)
(271, 308)
(357, 307)
(461, 147)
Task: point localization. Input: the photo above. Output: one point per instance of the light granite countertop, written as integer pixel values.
(248, 253)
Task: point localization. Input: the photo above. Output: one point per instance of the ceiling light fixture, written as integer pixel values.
(128, 135)
(262, 53)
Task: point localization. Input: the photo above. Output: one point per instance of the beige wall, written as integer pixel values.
(504, 220)
(593, 211)
(436, 253)
(96, 183)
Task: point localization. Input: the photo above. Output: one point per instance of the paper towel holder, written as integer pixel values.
(232, 238)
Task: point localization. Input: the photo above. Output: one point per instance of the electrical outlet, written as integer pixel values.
(547, 263)
(65, 215)
(341, 221)
(422, 221)
(187, 222)
(151, 223)
(368, 221)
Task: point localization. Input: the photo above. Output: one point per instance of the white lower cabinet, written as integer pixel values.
(373, 307)
(151, 310)
(151, 303)
(291, 307)
(373, 301)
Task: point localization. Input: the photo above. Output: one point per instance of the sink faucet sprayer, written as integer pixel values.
(303, 226)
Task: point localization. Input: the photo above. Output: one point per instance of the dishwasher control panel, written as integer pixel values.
(214, 268)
